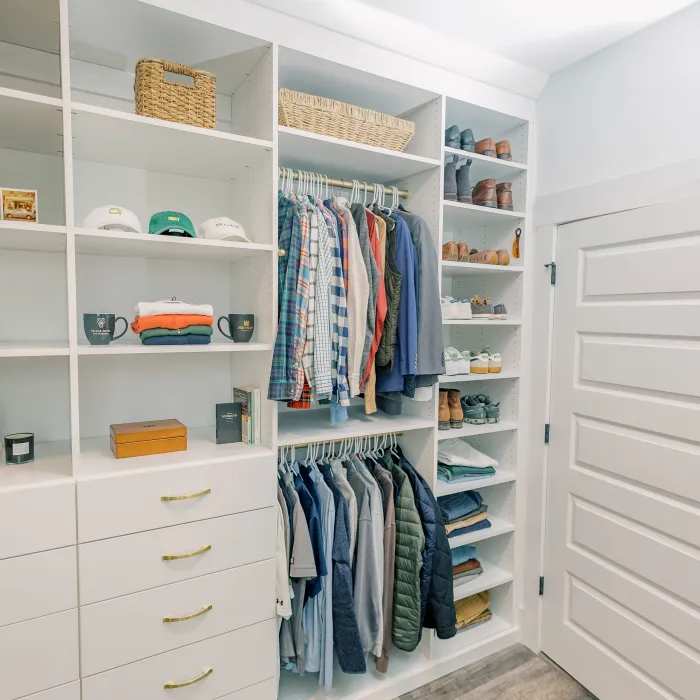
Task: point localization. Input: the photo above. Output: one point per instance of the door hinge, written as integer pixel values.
(541, 585)
(552, 272)
(546, 433)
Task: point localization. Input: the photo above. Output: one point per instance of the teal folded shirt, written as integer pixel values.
(452, 474)
(187, 330)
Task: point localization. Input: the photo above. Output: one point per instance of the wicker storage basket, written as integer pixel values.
(343, 121)
(176, 102)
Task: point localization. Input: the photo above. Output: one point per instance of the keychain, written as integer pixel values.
(516, 243)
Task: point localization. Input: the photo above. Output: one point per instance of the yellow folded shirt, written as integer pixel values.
(466, 523)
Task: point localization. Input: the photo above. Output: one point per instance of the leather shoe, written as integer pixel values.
(503, 150)
(504, 195)
(486, 147)
(484, 193)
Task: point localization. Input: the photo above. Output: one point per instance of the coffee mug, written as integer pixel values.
(241, 327)
(99, 328)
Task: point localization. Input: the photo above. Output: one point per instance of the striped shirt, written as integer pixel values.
(323, 346)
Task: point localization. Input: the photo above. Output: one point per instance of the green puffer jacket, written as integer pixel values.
(410, 542)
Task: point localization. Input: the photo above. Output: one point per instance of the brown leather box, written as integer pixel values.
(147, 438)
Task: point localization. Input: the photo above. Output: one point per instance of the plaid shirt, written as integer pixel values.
(287, 371)
(308, 358)
(323, 342)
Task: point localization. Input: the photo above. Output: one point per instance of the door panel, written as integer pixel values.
(622, 601)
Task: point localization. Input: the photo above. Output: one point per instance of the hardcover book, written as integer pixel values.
(228, 423)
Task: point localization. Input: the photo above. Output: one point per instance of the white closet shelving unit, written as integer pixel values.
(77, 515)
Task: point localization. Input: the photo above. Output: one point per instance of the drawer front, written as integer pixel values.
(38, 654)
(123, 565)
(267, 690)
(238, 659)
(63, 692)
(38, 584)
(129, 503)
(120, 631)
(36, 519)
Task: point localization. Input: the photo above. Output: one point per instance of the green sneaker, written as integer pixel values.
(493, 410)
(474, 412)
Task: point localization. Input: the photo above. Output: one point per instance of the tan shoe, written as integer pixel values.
(485, 257)
(486, 147)
(503, 256)
(443, 411)
(463, 252)
(484, 193)
(504, 195)
(503, 150)
(454, 403)
(449, 250)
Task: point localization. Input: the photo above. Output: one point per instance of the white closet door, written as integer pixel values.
(622, 574)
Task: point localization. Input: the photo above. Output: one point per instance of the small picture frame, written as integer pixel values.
(19, 205)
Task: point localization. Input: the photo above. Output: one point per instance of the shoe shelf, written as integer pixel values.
(498, 527)
(471, 430)
(451, 268)
(33, 349)
(486, 166)
(481, 322)
(493, 576)
(502, 476)
(460, 378)
(459, 215)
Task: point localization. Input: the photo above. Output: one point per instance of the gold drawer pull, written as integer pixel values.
(205, 609)
(207, 672)
(199, 494)
(172, 557)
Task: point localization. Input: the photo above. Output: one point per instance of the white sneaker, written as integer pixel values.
(465, 310)
(452, 359)
(480, 363)
(495, 362)
(466, 362)
(450, 308)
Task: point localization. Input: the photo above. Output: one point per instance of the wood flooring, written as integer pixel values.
(515, 673)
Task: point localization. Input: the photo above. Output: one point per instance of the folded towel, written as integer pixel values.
(172, 306)
(177, 340)
(466, 576)
(454, 474)
(187, 330)
(483, 525)
(465, 566)
(466, 522)
(481, 509)
(458, 452)
(458, 504)
(170, 321)
(462, 554)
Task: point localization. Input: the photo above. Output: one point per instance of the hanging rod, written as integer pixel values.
(347, 184)
(337, 442)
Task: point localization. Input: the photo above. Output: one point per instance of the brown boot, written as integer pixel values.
(503, 150)
(443, 411)
(503, 256)
(454, 402)
(463, 252)
(486, 147)
(484, 193)
(485, 257)
(504, 195)
(449, 250)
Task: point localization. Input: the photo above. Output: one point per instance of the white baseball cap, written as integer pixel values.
(113, 217)
(222, 228)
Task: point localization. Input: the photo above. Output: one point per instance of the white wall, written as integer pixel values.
(631, 107)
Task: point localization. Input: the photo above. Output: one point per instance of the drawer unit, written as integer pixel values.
(39, 584)
(134, 502)
(123, 565)
(267, 690)
(71, 691)
(37, 518)
(207, 670)
(120, 631)
(38, 654)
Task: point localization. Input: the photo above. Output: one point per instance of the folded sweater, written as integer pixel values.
(177, 340)
(465, 566)
(187, 330)
(172, 306)
(171, 321)
(466, 522)
(482, 525)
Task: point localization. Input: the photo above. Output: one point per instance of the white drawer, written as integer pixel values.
(67, 692)
(37, 518)
(38, 654)
(267, 690)
(127, 503)
(123, 565)
(120, 631)
(238, 659)
(38, 584)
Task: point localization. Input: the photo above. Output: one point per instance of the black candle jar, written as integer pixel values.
(19, 448)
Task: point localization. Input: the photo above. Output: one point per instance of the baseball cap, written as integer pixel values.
(222, 228)
(171, 223)
(113, 217)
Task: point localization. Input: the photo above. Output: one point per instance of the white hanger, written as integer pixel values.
(394, 198)
(364, 199)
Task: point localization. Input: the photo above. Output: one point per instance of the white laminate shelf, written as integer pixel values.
(486, 166)
(302, 427)
(303, 150)
(460, 217)
(481, 322)
(130, 347)
(140, 245)
(469, 430)
(452, 268)
(96, 459)
(461, 378)
(52, 464)
(19, 235)
(498, 527)
(34, 349)
(30, 122)
(493, 576)
(502, 476)
(495, 628)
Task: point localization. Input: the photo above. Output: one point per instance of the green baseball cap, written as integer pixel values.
(171, 223)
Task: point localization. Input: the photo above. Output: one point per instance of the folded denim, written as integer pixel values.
(455, 475)
(187, 330)
(481, 509)
(483, 525)
(457, 504)
(462, 554)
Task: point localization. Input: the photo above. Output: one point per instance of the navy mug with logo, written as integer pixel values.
(99, 328)
(240, 326)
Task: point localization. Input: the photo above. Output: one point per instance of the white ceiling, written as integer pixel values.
(546, 35)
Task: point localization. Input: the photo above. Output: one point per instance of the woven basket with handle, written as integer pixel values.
(187, 104)
(343, 121)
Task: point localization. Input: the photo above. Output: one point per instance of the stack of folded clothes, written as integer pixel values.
(459, 461)
(465, 565)
(172, 322)
(473, 611)
(463, 512)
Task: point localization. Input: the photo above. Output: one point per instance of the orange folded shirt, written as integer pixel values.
(170, 321)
